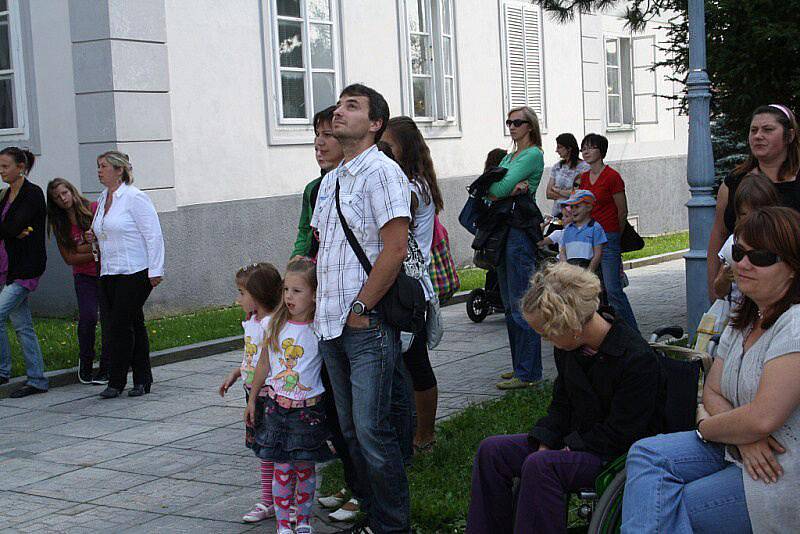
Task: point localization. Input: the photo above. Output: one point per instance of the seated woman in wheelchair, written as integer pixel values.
(740, 471)
(605, 397)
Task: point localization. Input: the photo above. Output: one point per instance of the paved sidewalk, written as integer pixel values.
(175, 461)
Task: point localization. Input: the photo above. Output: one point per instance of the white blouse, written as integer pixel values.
(129, 235)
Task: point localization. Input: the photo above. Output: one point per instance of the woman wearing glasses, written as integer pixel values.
(524, 164)
(740, 470)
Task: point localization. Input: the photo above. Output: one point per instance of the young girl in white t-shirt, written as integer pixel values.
(260, 289)
(295, 434)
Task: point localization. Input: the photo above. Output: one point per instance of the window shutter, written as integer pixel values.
(524, 68)
(644, 80)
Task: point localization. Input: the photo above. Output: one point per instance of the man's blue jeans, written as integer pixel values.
(611, 266)
(677, 483)
(14, 306)
(514, 276)
(362, 365)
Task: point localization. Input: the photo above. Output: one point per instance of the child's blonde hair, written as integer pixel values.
(308, 269)
(566, 296)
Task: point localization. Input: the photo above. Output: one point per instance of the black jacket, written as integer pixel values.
(605, 409)
(27, 257)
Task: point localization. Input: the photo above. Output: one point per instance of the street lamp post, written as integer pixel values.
(700, 168)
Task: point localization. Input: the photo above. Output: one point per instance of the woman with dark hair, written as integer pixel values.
(69, 216)
(611, 211)
(414, 158)
(740, 470)
(22, 222)
(127, 231)
(566, 172)
(775, 153)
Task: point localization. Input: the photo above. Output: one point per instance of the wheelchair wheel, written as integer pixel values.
(607, 514)
(477, 305)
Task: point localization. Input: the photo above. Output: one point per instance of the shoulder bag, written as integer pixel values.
(403, 305)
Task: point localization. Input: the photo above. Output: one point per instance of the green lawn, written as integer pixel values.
(660, 245)
(439, 481)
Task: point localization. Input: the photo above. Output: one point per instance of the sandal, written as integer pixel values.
(260, 512)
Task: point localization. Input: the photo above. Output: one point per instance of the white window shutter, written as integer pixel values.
(524, 69)
(645, 92)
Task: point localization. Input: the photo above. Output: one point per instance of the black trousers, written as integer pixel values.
(123, 296)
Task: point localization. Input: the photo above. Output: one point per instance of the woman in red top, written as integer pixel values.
(611, 211)
(69, 215)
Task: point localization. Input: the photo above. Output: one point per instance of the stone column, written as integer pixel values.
(119, 50)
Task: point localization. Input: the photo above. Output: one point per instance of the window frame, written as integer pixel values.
(18, 72)
(294, 130)
(440, 123)
(619, 126)
(650, 66)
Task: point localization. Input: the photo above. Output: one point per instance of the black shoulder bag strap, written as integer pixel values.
(351, 238)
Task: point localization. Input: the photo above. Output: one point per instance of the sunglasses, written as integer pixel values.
(759, 258)
(516, 123)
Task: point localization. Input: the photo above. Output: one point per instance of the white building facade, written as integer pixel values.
(213, 100)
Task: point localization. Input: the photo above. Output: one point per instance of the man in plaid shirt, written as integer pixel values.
(360, 351)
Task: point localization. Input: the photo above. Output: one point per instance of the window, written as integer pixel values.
(430, 58)
(12, 71)
(630, 81)
(305, 46)
(522, 57)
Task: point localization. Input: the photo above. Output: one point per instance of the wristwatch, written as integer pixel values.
(359, 308)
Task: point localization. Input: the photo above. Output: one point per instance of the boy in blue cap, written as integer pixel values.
(583, 239)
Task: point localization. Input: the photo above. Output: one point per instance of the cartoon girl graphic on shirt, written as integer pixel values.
(290, 377)
(250, 350)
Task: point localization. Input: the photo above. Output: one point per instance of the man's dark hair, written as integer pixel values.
(378, 107)
(323, 116)
(597, 141)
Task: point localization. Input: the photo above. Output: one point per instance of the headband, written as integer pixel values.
(786, 111)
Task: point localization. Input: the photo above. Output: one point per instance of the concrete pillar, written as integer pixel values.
(122, 100)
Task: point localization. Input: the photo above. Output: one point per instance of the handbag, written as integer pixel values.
(434, 325)
(468, 218)
(630, 240)
(443, 269)
(403, 305)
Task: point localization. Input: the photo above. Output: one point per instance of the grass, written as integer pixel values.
(59, 340)
(660, 245)
(471, 278)
(439, 482)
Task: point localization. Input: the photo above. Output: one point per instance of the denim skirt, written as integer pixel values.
(289, 435)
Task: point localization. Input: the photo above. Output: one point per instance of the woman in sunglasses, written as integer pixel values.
(740, 470)
(525, 164)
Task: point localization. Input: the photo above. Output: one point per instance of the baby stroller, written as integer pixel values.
(485, 300)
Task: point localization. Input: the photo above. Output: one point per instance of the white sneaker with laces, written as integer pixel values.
(260, 512)
(343, 514)
(333, 501)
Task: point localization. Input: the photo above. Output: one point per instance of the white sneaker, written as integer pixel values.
(260, 512)
(346, 515)
(334, 501)
(303, 529)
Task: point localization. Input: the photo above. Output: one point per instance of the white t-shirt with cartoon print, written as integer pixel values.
(295, 369)
(254, 334)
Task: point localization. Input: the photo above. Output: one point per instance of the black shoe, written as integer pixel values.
(3, 380)
(139, 390)
(100, 377)
(26, 390)
(84, 373)
(110, 393)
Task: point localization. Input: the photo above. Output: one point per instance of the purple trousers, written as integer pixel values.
(545, 478)
(87, 290)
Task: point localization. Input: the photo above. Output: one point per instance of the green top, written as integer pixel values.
(303, 242)
(528, 165)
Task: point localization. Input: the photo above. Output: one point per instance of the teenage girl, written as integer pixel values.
(69, 215)
(259, 288)
(295, 432)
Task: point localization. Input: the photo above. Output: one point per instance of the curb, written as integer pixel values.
(65, 377)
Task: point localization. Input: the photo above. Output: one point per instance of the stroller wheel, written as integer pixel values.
(477, 305)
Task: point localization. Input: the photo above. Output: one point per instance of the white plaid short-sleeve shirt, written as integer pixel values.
(373, 191)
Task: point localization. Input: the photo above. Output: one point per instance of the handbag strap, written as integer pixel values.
(351, 238)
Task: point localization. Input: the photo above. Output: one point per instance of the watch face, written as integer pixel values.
(358, 308)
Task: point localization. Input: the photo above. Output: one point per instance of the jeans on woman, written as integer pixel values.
(87, 290)
(611, 266)
(14, 306)
(678, 483)
(514, 275)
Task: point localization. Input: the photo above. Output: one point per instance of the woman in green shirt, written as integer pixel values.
(525, 165)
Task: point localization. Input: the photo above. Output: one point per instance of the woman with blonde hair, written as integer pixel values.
(524, 165)
(127, 231)
(69, 216)
(604, 399)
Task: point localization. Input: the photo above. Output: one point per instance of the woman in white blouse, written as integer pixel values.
(131, 249)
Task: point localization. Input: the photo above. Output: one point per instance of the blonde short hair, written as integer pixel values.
(566, 296)
(119, 160)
